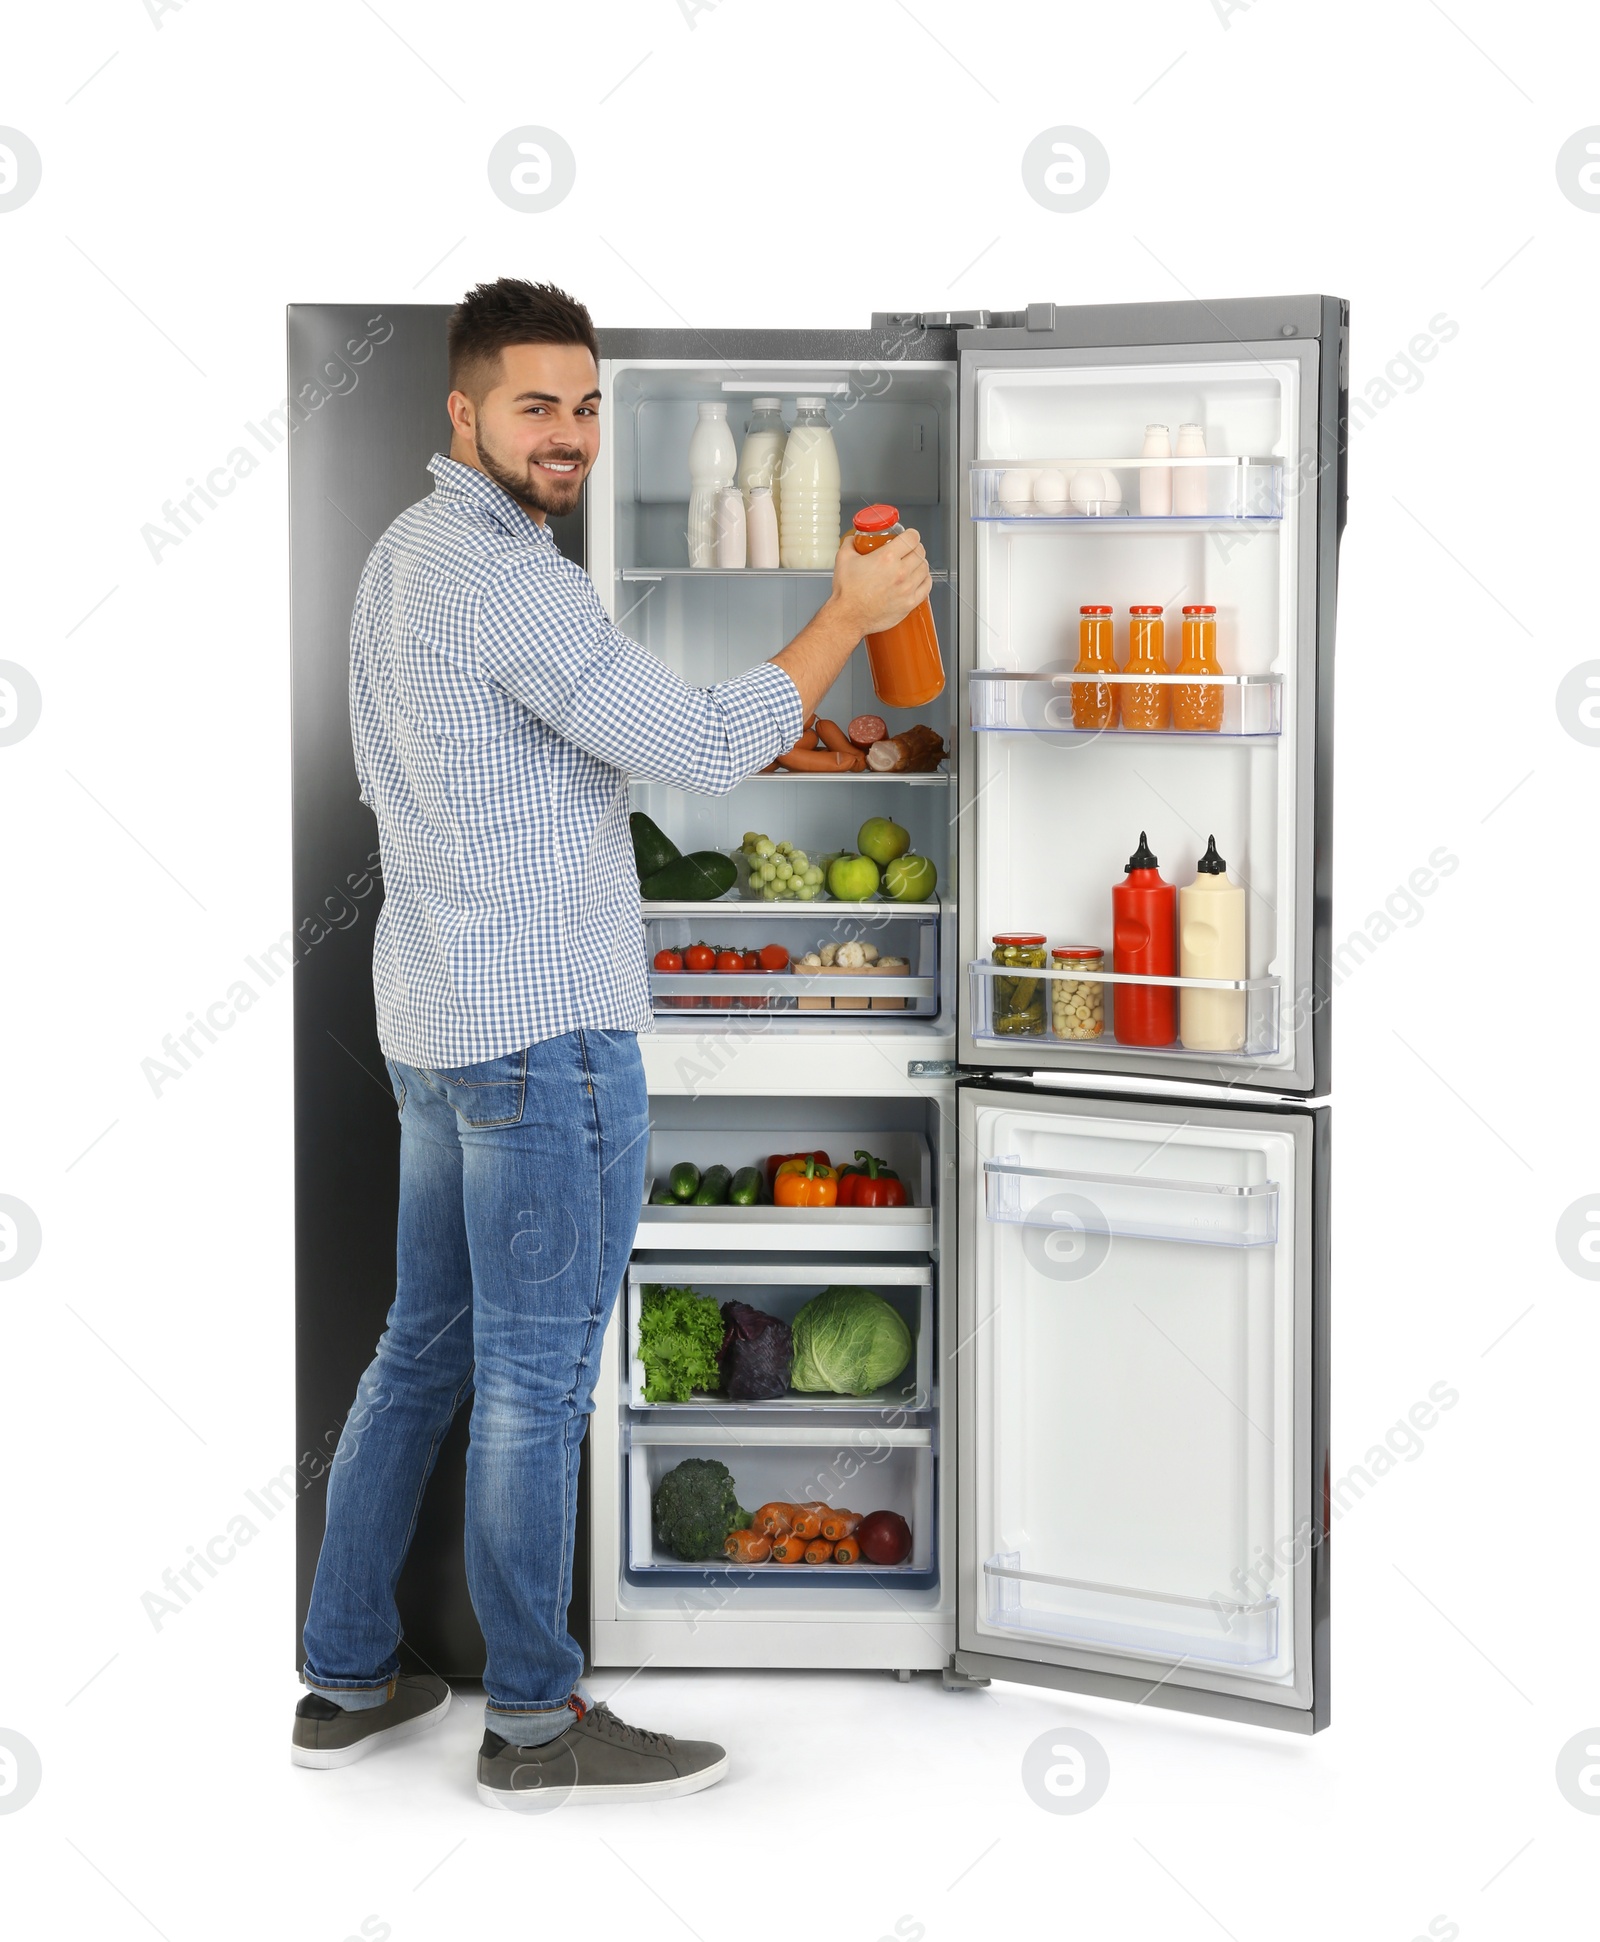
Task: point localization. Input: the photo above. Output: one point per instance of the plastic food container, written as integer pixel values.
(1077, 1010)
(1017, 1003)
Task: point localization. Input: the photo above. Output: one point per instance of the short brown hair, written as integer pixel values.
(508, 311)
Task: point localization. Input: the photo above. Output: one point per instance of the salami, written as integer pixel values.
(867, 729)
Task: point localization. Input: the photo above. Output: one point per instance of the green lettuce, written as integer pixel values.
(680, 1333)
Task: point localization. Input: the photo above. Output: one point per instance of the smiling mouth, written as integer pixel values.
(557, 468)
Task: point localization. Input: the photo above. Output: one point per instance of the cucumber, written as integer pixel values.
(713, 1190)
(698, 878)
(746, 1188)
(653, 849)
(662, 1199)
(683, 1182)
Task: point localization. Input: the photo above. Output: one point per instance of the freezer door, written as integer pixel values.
(1064, 509)
(1141, 1418)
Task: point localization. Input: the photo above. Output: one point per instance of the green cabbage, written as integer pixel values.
(848, 1341)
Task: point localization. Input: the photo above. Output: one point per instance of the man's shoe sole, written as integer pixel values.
(538, 1799)
(344, 1756)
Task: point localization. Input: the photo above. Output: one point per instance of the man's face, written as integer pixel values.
(537, 431)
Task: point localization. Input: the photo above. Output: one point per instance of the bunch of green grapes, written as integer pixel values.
(779, 871)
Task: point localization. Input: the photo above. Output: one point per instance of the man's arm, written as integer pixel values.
(871, 591)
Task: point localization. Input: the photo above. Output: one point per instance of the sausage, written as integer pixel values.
(867, 729)
(916, 751)
(822, 761)
(808, 739)
(833, 736)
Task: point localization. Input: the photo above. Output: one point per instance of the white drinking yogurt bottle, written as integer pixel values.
(1155, 481)
(730, 527)
(712, 463)
(761, 528)
(1191, 484)
(808, 491)
(1211, 944)
(762, 451)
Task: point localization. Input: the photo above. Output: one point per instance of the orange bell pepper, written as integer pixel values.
(802, 1183)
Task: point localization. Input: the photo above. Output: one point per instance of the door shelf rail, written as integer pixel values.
(1221, 1630)
(1256, 1021)
(1235, 490)
(1209, 1213)
(1001, 701)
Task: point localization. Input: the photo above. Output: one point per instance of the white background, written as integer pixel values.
(769, 165)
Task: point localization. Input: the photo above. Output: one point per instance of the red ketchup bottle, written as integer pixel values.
(1144, 926)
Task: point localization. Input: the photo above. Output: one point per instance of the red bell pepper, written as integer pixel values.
(872, 1184)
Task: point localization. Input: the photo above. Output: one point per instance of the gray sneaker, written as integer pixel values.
(326, 1735)
(596, 1758)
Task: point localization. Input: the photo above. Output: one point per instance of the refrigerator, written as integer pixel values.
(1109, 1443)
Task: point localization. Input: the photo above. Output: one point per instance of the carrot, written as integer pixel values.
(840, 1523)
(808, 1520)
(773, 1520)
(788, 1549)
(819, 1551)
(822, 761)
(747, 1547)
(833, 736)
(847, 1550)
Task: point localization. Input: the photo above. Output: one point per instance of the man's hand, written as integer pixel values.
(871, 591)
(879, 588)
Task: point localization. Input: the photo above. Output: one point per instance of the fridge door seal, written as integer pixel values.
(1311, 334)
(1188, 1646)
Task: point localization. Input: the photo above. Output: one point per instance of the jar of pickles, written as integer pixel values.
(1077, 1007)
(1016, 1002)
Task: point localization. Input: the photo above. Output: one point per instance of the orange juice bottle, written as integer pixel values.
(1198, 709)
(1146, 707)
(906, 666)
(1094, 703)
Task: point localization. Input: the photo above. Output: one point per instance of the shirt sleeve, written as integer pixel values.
(544, 638)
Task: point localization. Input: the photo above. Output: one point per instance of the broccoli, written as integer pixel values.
(696, 1507)
(680, 1333)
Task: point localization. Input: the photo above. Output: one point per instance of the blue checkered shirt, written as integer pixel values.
(497, 714)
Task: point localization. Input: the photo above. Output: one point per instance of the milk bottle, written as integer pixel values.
(808, 491)
(712, 461)
(762, 451)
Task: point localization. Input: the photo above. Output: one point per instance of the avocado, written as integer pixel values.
(697, 878)
(653, 849)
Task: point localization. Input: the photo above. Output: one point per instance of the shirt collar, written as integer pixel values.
(459, 481)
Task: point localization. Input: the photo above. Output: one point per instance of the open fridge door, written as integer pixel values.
(1142, 1401)
(1145, 460)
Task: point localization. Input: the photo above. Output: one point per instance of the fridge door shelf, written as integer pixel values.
(1210, 1213)
(781, 1289)
(1003, 702)
(1238, 491)
(1221, 1630)
(1260, 1011)
(865, 1469)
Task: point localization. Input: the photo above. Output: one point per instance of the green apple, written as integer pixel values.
(910, 879)
(882, 839)
(852, 879)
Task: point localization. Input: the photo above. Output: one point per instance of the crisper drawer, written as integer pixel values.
(835, 1230)
(865, 1468)
(782, 1288)
(902, 976)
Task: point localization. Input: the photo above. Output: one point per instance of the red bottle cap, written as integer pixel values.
(876, 519)
(1199, 610)
(1020, 937)
(1094, 610)
(1150, 610)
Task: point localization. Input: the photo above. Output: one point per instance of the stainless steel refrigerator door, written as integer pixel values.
(1142, 1401)
(1048, 803)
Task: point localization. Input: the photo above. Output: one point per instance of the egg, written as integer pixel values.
(1016, 491)
(1050, 490)
(1095, 491)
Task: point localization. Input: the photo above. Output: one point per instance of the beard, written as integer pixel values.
(531, 489)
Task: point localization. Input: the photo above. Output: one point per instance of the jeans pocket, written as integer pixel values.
(489, 1093)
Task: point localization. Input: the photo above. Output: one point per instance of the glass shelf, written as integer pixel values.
(637, 573)
(1002, 702)
(1208, 1212)
(1223, 1630)
(1237, 491)
(1258, 1020)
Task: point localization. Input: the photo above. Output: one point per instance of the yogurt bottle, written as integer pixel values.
(762, 451)
(712, 461)
(808, 491)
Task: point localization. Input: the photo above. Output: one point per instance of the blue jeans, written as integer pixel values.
(520, 1185)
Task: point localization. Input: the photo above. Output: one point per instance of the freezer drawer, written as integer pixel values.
(1141, 1399)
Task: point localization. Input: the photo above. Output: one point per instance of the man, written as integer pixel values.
(497, 715)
